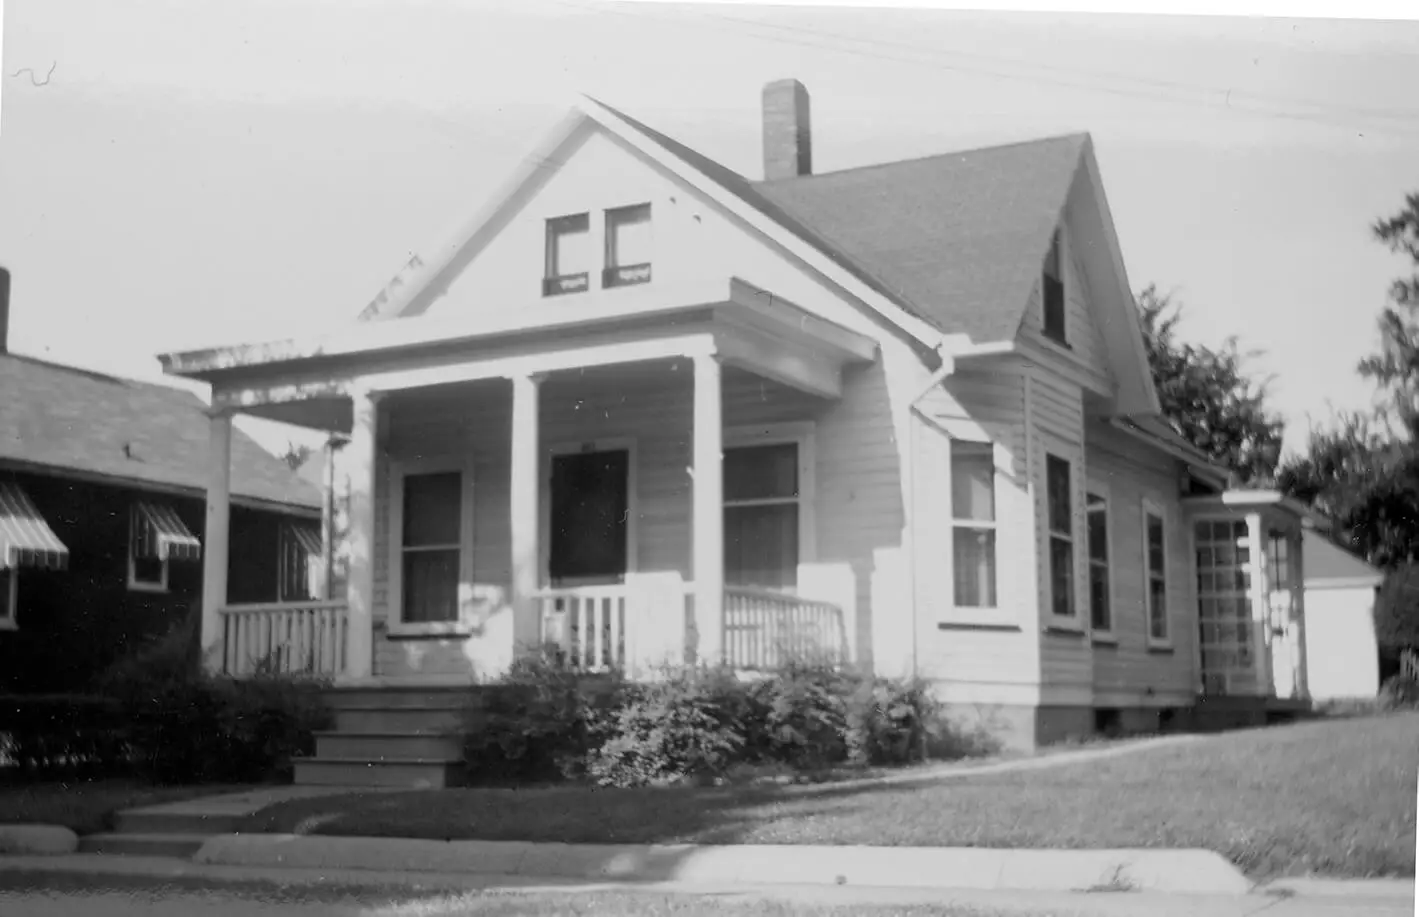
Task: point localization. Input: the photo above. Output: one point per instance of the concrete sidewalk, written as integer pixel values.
(1382, 900)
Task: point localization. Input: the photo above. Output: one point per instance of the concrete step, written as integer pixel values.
(414, 773)
(380, 746)
(444, 698)
(406, 719)
(150, 845)
(139, 821)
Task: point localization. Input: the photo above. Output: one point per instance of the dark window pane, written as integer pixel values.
(1155, 543)
(1157, 609)
(431, 585)
(148, 570)
(432, 505)
(1098, 536)
(761, 545)
(1100, 615)
(1057, 494)
(761, 472)
(973, 482)
(973, 554)
(590, 504)
(1061, 576)
(6, 612)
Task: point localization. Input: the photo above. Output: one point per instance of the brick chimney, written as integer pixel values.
(4, 310)
(788, 140)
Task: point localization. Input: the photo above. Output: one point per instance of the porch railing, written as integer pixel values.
(764, 629)
(588, 624)
(285, 638)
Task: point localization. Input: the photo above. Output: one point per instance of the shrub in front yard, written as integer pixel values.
(187, 726)
(1399, 693)
(62, 735)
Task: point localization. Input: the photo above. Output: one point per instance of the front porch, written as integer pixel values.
(642, 501)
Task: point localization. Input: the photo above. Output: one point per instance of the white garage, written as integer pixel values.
(1342, 656)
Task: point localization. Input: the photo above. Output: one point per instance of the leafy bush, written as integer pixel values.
(803, 715)
(686, 725)
(188, 726)
(62, 735)
(1399, 693)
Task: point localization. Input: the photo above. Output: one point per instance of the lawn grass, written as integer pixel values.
(1333, 798)
(87, 807)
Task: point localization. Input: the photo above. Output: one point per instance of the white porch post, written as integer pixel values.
(708, 517)
(217, 534)
(362, 452)
(1297, 586)
(1260, 605)
(524, 516)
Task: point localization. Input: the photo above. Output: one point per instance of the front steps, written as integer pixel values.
(155, 833)
(391, 737)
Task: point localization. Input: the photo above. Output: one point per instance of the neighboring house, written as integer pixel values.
(1341, 647)
(102, 516)
(646, 409)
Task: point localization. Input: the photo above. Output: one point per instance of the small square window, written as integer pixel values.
(628, 246)
(1053, 293)
(568, 255)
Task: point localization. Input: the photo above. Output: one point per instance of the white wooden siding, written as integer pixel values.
(1086, 351)
(1126, 672)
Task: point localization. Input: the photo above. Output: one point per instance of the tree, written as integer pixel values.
(1208, 396)
(1395, 368)
(296, 455)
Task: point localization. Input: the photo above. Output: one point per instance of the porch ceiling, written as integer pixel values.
(747, 327)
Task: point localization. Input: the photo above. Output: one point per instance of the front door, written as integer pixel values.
(590, 503)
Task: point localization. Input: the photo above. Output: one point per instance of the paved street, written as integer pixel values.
(232, 893)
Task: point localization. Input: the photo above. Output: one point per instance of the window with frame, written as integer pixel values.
(1060, 503)
(301, 563)
(431, 547)
(1155, 546)
(568, 255)
(628, 246)
(973, 524)
(1053, 293)
(761, 515)
(1096, 508)
(9, 594)
(147, 572)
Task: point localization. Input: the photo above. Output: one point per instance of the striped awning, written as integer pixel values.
(158, 534)
(26, 540)
(308, 538)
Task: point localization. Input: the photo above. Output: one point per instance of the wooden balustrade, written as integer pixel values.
(588, 625)
(285, 638)
(765, 630)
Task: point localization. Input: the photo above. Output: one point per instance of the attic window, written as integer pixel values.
(1054, 293)
(627, 246)
(568, 255)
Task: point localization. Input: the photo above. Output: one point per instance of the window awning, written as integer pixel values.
(308, 538)
(159, 534)
(26, 540)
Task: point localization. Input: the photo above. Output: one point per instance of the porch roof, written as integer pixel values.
(1270, 501)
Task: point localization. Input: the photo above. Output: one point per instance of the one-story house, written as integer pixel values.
(645, 409)
(103, 515)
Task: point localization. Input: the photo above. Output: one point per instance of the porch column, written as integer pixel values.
(359, 592)
(524, 516)
(1260, 604)
(216, 534)
(1297, 585)
(708, 517)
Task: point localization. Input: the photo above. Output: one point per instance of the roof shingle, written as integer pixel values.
(63, 417)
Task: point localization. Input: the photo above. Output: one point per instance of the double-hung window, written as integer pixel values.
(973, 524)
(1060, 503)
(762, 512)
(1052, 292)
(628, 246)
(1096, 508)
(1156, 565)
(431, 546)
(568, 255)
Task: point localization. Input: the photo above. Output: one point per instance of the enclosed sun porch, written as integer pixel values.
(626, 493)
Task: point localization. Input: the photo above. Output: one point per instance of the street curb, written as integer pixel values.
(1343, 888)
(37, 840)
(978, 869)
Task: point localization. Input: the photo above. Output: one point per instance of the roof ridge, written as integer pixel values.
(96, 374)
(867, 167)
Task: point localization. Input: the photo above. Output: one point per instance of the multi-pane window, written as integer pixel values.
(431, 546)
(628, 246)
(761, 515)
(568, 255)
(1100, 609)
(973, 524)
(1059, 498)
(1156, 548)
(1053, 292)
(300, 564)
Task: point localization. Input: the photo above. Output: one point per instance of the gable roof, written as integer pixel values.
(69, 419)
(1325, 562)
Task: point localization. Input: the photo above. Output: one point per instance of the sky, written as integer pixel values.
(178, 174)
